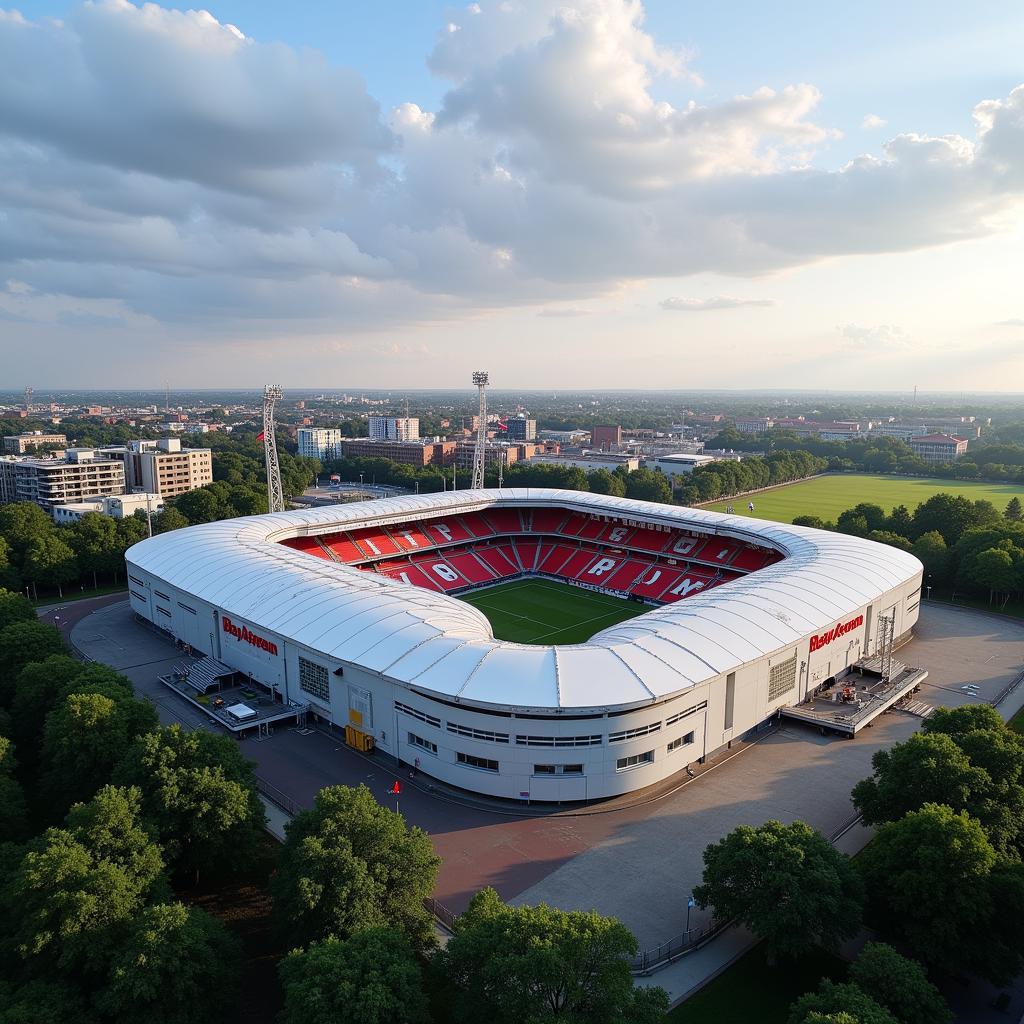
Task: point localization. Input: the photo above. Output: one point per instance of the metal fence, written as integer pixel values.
(648, 960)
(444, 916)
(283, 800)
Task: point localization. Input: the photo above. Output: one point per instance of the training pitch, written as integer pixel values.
(544, 612)
(827, 496)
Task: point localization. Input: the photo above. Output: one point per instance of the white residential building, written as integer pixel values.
(116, 506)
(321, 443)
(394, 428)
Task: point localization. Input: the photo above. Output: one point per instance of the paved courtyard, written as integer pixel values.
(637, 862)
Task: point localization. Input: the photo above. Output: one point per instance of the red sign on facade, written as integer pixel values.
(242, 633)
(824, 639)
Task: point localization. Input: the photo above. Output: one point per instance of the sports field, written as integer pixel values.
(827, 496)
(543, 612)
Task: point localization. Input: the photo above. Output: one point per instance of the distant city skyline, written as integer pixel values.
(590, 194)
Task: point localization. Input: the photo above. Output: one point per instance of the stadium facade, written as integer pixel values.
(351, 611)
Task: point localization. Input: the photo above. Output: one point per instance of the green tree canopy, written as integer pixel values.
(349, 864)
(23, 642)
(48, 1001)
(13, 809)
(15, 608)
(198, 796)
(1014, 511)
(515, 964)
(926, 881)
(648, 485)
(50, 560)
(786, 883)
(370, 978)
(900, 985)
(85, 736)
(832, 1001)
(174, 965)
(933, 552)
(601, 481)
(75, 882)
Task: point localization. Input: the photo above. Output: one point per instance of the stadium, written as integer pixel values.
(527, 643)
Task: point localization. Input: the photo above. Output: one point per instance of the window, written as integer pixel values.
(477, 734)
(630, 734)
(559, 741)
(419, 741)
(672, 719)
(418, 715)
(471, 761)
(558, 769)
(138, 596)
(313, 679)
(164, 596)
(782, 678)
(185, 607)
(624, 764)
(681, 741)
(134, 580)
(163, 611)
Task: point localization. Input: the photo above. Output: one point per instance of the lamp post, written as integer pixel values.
(690, 904)
(928, 588)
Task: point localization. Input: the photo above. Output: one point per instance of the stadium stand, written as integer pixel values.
(308, 545)
(504, 520)
(410, 537)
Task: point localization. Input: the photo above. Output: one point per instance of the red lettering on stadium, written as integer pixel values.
(824, 639)
(243, 634)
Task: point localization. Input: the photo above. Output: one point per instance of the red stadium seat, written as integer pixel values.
(572, 526)
(592, 529)
(374, 542)
(409, 537)
(557, 556)
(625, 575)
(438, 571)
(547, 520)
(494, 555)
(691, 581)
(308, 546)
(716, 552)
(504, 520)
(616, 534)
(469, 565)
(446, 531)
(477, 525)
(656, 580)
(579, 561)
(526, 549)
(406, 572)
(341, 544)
(649, 540)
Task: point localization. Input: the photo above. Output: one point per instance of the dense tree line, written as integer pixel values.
(967, 546)
(724, 479)
(102, 814)
(943, 878)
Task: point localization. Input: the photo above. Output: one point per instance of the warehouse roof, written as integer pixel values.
(444, 645)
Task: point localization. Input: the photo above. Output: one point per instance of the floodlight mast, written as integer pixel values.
(481, 380)
(272, 393)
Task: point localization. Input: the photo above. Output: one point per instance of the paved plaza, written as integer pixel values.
(622, 861)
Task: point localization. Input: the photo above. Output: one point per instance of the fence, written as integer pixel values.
(444, 916)
(657, 956)
(271, 792)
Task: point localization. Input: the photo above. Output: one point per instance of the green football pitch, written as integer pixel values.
(827, 496)
(543, 612)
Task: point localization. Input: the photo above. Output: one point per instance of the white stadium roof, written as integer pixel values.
(445, 646)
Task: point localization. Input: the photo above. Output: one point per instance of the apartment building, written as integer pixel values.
(938, 447)
(321, 443)
(163, 467)
(394, 428)
(19, 444)
(79, 474)
(411, 453)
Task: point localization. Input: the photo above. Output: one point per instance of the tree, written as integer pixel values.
(96, 543)
(833, 1001)
(815, 522)
(15, 608)
(900, 985)
(169, 519)
(894, 540)
(926, 879)
(1014, 511)
(931, 549)
(24, 642)
(900, 521)
(175, 965)
(370, 978)
(51, 561)
(85, 737)
(517, 964)
(198, 796)
(47, 1001)
(13, 810)
(948, 515)
(198, 506)
(601, 481)
(349, 864)
(648, 485)
(873, 515)
(75, 882)
(993, 570)
(786, 883)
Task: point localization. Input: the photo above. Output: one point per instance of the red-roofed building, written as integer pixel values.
(938, 447)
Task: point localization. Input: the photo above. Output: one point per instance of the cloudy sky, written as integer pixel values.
(577, 192)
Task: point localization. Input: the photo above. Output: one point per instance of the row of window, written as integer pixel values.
(488, 765)
(313, 680)
(781, 678)
(477, 734)
(420, 716)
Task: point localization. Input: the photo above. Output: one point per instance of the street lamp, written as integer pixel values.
(690, 904)
(928, 588)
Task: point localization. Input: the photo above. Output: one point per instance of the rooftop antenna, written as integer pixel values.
(272, 393)
(28, 398)
(915, 394)
(167, 397)
(481, 380)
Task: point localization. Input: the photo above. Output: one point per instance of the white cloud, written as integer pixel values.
(882, 336)
(168, 166)
(682, 305)
(1016, 321)
(872, 121)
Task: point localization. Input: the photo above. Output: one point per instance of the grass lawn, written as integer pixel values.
(1017, 722)
(73, 593)
(751, 990)
(544, 612)
(827, 496)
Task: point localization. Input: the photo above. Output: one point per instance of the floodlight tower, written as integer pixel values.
(481, 380)
(272, 393)
(28, 398)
